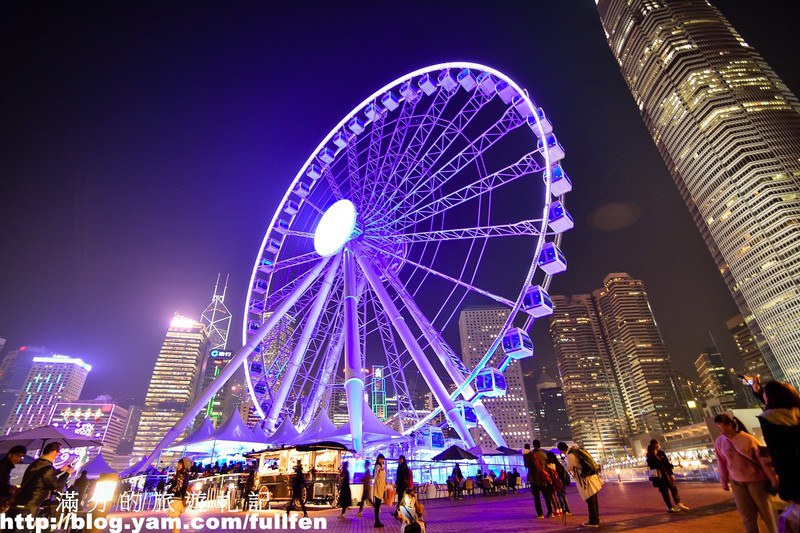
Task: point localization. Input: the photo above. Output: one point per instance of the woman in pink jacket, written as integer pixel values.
(744, 471)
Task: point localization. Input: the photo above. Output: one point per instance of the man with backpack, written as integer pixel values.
(585, 471)
(538, 477)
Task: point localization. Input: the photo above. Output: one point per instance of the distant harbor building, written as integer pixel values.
(14, 371)
(51, 379)
(728, 130)
(715, 381)
(173, 384)
(478, 328)
(745, 340)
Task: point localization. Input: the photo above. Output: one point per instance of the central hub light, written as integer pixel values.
(335, 228)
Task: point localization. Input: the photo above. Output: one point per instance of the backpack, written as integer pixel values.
(588, 466)
(562, 473)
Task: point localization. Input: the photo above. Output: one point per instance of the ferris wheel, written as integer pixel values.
(440, 190)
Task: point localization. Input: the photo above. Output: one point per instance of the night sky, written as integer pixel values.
(145, 147)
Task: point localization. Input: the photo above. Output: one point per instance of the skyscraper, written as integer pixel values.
(715, 381)
(217, 320)
(639, 356)
(173, 384)
(754, 364)
(51, 379)
(13, 373)
(378, 392)
(728, 130)
(478, 328)
(551, 416)
(100, 419)
(594, 405)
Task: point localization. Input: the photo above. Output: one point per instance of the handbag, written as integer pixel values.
(654, 475)
(388, 498)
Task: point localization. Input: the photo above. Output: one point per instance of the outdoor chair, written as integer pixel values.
(488, 486)
(469, 487)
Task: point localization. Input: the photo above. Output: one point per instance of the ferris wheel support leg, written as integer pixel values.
(353, 366)
(237, 360)
(299, 351)
(414, 349)
(448, 358)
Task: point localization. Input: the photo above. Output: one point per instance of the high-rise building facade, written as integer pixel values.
(98, 419)
(173, 384)
(715, 381)
(14, 371)
(478, 328)
(640, 359)
(745, 340)
(728, 130)
(594, 405)
(551, 416)
(51, 379)
(378, 392)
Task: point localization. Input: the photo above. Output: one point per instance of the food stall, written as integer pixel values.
(320, 462)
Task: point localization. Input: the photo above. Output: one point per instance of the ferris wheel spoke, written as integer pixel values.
(523, 228)
(332, 183)
(477, 290)
(294, 261)
(424, 187)
(373, 159)
(527, 164)
(300, 346)
(401, 159)
(296, 233)
(423, 161)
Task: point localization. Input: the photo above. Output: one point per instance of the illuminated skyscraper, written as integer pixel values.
(478, 328)
(100, 419)
(754, 363)
(51, 379)
(728, 130)
(378, 393)
(173, 384)
(715, 381)
(591, 394)
(640, 359)
(13, 374)
(217, 320)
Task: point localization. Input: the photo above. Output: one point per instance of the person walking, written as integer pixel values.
(560, 478)
(345, 496)
(458, 481)
(366, 488)
(662, 478)
(180, 485)
(379, 487)
(81, 488)
(585, 472)
(9, 462)
(298, 483)
(745, 472)
(249, 486)
(402, 481)
(540, 481)
(40, 479)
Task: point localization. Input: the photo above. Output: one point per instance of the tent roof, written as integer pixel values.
(285, 433)
(97, 466)
(136, 468)
(202, 433)
(317, 430)
(454, 453)
(235, 430)
(484, 450)
(374, 430)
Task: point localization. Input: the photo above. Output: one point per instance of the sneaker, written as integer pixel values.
(673, 510)
(568, 513)
(681, 506)
(549, 515)
(540, 517)
(589, 524)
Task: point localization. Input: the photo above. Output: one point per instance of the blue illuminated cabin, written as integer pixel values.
(554, 149)
(314, 172)
(517, 344)
(291, 208)
(491, 383)
(256, 367)
(326, 155)
(341, 139)
(256, 307)
(467, 413)
(467, 80)
(522, 107)
(356, 125)
(547, 126)
(303, 189)
(559, 181)
(427, 84)
(486, 83)
(505, 91)
(265, 265)
(390, 101)
(551, 260)
(281, 226)
(559, 219)
(371, 111)
(408, 91)
(273, 246)
(253, 327)
(537, 302)
(260, 286)
(447, 81)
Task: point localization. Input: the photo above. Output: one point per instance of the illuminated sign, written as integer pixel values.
(88, 419)
(220, 354)
(63, 359)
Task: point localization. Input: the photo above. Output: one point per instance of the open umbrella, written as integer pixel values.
(454, 453)
(36, 438)
(509, 451)
(484, 450)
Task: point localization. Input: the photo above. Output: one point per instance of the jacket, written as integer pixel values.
(38, 482)
(379, 488)
(6, 466)
(661, 463)
(740, 461)
(587, 486)
(402, 477)
(781, 428)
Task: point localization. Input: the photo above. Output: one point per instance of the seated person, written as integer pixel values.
(411, 510)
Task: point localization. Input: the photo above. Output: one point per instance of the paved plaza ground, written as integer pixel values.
(623, 507)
